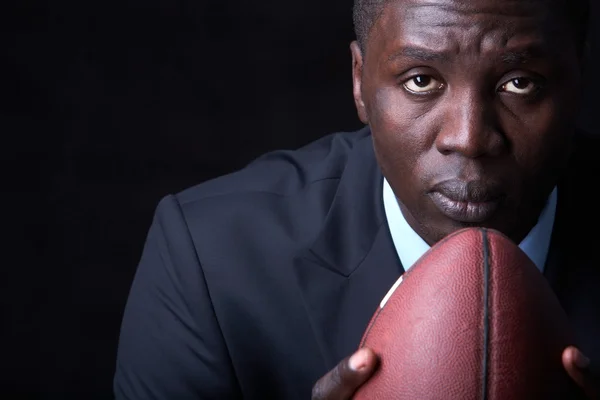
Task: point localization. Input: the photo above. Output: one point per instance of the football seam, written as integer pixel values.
(486, 313)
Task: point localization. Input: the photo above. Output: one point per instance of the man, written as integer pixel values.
(254, 285)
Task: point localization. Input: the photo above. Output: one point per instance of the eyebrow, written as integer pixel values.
(508, 57)
(419, 54)
(523, 56)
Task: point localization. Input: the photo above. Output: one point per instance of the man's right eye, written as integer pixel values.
(422, 84)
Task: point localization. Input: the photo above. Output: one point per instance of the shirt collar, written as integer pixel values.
(410, 246)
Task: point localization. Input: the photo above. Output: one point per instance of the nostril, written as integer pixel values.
(445, 152)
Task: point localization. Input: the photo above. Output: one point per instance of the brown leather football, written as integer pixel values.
(472, 319)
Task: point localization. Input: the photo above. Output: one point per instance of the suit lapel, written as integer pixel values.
(352, 264)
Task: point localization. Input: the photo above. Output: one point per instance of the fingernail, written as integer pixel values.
(358, 361)
(582, 361)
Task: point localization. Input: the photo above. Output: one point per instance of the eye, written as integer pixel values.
(422, 84)
(521, 86)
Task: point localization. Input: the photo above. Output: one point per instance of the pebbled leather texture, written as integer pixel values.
(473, 319)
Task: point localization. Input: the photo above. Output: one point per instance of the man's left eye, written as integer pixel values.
(522, 86)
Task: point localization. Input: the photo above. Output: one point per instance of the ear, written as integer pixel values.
(357, 73)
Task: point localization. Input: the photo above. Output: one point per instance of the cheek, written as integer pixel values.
(403, 131)
(540, 134)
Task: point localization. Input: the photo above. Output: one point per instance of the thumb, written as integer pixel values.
(342, 381)
(577, 366)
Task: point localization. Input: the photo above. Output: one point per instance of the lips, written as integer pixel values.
(470, 202)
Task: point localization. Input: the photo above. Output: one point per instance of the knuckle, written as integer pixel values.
(317, 391)
(337, 375)
(331, 384)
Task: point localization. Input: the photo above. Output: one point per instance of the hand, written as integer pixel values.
(578, 368)
(342, 382)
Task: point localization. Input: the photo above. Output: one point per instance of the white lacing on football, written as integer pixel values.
(391, 291)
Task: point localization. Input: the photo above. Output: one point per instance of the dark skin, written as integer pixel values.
(471, 105)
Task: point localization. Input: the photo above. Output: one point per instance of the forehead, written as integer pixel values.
(460, 26)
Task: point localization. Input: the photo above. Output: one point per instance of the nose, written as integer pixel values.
(469, 128)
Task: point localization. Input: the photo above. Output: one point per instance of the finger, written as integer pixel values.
(577, 366)
(342, 382)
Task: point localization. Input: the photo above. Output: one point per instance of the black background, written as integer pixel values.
(107, 106)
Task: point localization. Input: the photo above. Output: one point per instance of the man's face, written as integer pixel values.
(471, 105)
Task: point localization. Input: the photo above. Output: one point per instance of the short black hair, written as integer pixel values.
(366, 13)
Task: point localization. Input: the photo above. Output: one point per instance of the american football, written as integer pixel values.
(472, 319)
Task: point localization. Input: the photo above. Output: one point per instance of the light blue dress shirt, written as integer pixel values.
(410, 246)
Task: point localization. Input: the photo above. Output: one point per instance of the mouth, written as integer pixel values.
(467, 202)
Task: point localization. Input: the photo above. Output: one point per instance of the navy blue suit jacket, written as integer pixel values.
(255, 284)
